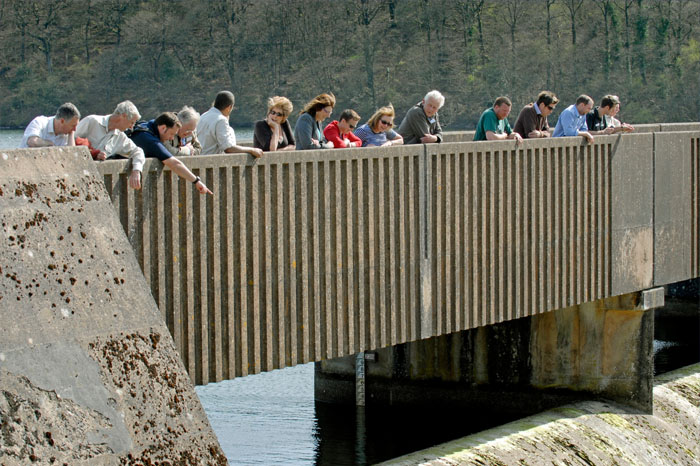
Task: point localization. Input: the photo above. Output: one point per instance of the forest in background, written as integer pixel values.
(165, 54)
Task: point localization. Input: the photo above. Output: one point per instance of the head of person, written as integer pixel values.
(616, 108)
(125, 115)
(382, 120)
(348, 121)
(189, 118)
(168, 125)
(320, 107)
(608, 103)
(432, 102)
(501, 107)
(584, 104)
(279, 108)
(546, 102)
(66, 120)
(224, 102)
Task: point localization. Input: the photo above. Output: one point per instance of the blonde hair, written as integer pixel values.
(282, 103)
(373, 121)
(318, 102)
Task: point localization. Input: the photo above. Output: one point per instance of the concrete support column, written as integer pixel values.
(602, 349)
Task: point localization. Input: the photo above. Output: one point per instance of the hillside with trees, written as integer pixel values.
(162, 55)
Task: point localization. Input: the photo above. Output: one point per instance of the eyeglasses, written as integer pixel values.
(272, 112)
(352, 126)
(387, 123)
(550, 107)
(327, 110)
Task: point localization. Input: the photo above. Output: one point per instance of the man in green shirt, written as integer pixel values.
(493, 124)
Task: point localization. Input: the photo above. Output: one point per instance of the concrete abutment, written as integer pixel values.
(597, 350)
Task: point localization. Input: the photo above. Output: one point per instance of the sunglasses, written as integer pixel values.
(387, 123)
(352, 126)
(272, 112)
(551, 107)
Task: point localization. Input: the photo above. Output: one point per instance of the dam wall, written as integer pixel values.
(591, 432)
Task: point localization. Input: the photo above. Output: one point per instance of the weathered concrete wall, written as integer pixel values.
(88, 370)
(588, 433)
(602, 349)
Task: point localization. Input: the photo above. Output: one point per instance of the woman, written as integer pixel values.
(274, 132)
(307, 131)
(377, 131)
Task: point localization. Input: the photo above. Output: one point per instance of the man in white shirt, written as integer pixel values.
(215, 134)
(106, 134)
(58, 130)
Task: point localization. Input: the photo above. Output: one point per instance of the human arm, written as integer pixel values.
(262, 135)
(354, 140)
(435, 133)
(414, 126)
(393, 138)
(181, 170)
(227, 138)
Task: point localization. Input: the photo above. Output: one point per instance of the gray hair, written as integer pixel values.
(436, 96)
(67, 111)
(187, 114)
(127, 108)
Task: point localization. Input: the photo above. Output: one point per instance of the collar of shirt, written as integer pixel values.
(537, 108)
(52, 122)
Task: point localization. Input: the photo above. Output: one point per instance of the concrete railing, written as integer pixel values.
(304, 256)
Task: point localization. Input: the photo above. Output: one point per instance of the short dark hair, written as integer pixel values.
(584, 99)
(224, 99)
(348, 115)
(169, 119)
(547, 97)
(502, 100)
(609, 101)
(67, 111)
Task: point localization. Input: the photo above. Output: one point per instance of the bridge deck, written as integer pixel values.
(304, 256)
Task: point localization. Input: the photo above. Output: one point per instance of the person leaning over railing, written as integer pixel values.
(150, 136)
(377, 131)
(215, 134)
(274, 132)
(532, 121)
(106, 133)
(613, 114)
(493, 124)
(339, 131)
(572, 121)
(422, 122)
(599, 120)
(57, 130)
(307, 131)
(185, 141)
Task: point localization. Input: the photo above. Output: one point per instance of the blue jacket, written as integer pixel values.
(145, 135)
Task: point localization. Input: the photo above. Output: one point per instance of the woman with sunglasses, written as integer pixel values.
(274, 132)
(377, 131)
(307, 131)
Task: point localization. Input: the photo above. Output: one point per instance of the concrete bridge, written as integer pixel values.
(309, 256)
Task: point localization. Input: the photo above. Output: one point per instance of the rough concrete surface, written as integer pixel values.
(88, 371)
(589, 433)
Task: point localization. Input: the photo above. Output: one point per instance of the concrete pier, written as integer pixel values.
(89, 373)
(598, 350)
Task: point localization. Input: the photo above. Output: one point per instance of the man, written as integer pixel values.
(493, 124)
(572, 121)
(58, 130)
(215, 134)
(340, 132)
(185, 141)
(532, 121)
(106, 134)
(421, 123)
(150, 136)
(599, 120)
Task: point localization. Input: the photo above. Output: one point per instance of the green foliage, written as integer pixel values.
(163, 55)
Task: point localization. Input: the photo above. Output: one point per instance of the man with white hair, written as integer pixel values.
(185, 141)
(106, 134)
(421, 123)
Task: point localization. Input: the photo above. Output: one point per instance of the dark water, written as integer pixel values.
(272, 418)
